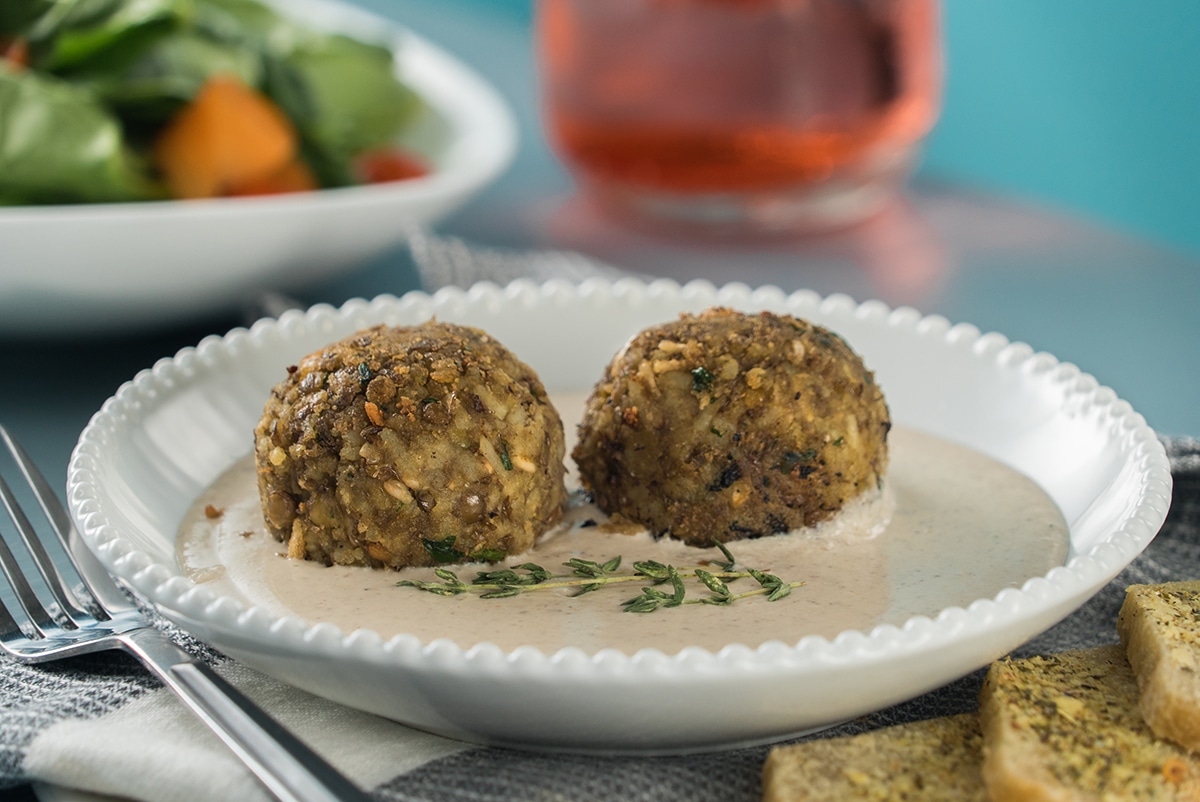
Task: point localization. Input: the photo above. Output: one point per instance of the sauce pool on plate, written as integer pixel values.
(952, 526)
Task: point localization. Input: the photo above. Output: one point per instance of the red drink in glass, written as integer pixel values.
(756, 114)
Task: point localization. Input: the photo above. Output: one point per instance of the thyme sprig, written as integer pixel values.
(668, 586)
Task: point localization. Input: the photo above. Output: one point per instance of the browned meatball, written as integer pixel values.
(725, 425)
(410, 446)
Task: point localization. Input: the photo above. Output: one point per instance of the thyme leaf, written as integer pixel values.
(713, 583)
(501, 593)
(779, 592)
(668, 584)
(586, 568)
(651, 569)
(728, 563)
(676, 583)
(440, 589)
(534, 574)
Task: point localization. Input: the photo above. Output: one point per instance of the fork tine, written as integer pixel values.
(55, 513)
(94, 578)
(67, 598)
(10, 630)
(35, 611)
(288, 768)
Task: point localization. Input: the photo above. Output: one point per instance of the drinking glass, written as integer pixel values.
(768, 115)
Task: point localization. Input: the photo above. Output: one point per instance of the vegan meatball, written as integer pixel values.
(724, 425)
(410, 446)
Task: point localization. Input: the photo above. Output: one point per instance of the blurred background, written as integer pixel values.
(1090, 106)
(1064, 159)
(1056, 201)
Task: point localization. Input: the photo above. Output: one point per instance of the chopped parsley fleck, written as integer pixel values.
(364, 372)
(793, 458)
(702, 379)
(488, 555)
(505, 460)
(443, 551)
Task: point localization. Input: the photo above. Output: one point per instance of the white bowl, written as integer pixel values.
(88, 267)
(171, 430)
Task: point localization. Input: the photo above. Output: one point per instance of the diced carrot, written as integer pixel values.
(295, 176)
(388, 164)
(15, 51)
(229, 135)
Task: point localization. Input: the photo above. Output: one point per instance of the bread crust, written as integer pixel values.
(1159, 628)
(1066, 728)
(932, 761)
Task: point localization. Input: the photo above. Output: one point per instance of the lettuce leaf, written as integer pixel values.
(108, 74)
(344, 97)
(93, 33)
(59, 145)
(251, 22)
(168, 74)
(17, 15)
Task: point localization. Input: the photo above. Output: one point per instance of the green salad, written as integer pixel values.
(128, 100)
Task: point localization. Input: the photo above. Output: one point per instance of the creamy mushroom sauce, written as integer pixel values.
(951, 527)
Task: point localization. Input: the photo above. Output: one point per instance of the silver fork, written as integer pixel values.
(88, 612)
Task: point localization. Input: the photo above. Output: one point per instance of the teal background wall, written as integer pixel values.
(1092, 106)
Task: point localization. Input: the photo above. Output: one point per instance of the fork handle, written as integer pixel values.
(285, 765)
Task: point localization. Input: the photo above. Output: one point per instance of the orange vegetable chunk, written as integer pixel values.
(388, 164)
(15, 51)
(229, 135)
(295, 176)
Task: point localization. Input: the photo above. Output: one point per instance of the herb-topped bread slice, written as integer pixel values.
(930, 760)
(1160, 628)
(1067, 727)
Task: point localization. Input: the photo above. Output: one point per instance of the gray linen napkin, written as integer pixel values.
(99, 723)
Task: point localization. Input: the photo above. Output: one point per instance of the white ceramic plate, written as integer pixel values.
(69, 269)
(171, 430)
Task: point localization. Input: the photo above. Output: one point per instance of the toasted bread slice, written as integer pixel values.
(1160, 628)
(1066, 727)
(930, 760)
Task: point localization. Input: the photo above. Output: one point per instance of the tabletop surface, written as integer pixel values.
(1120, 308)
